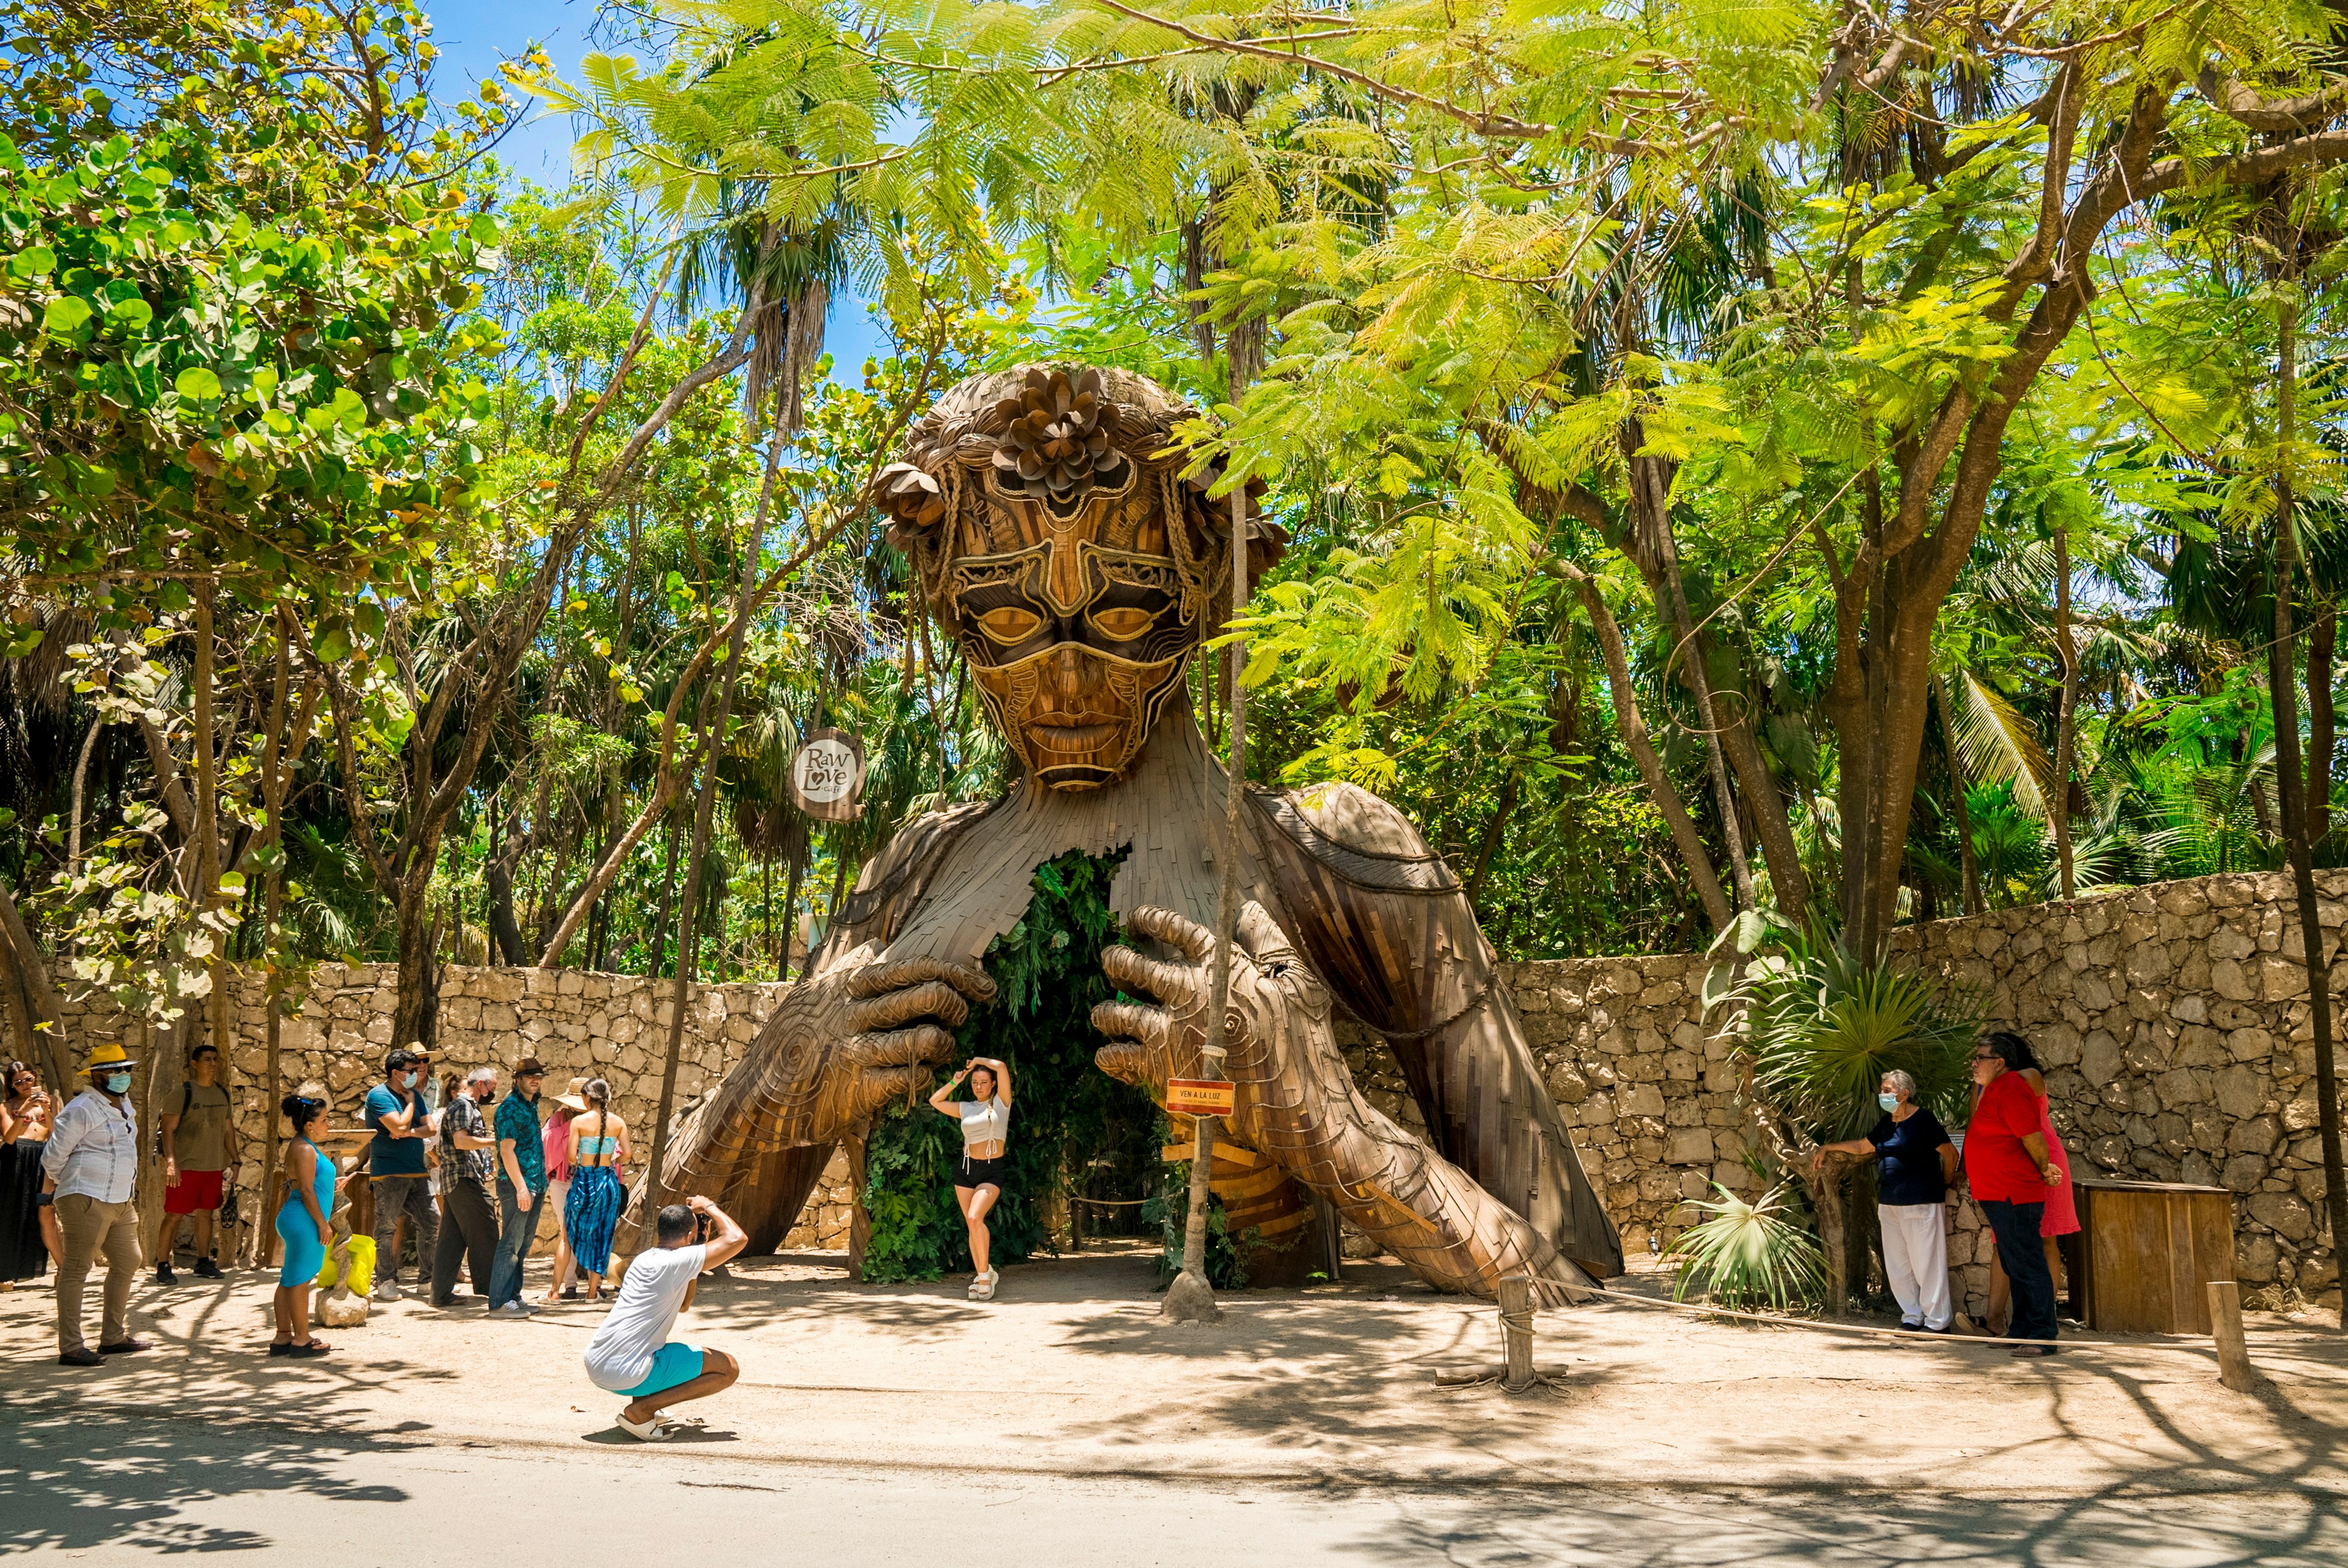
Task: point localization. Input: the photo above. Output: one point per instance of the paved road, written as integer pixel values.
(134, 1491)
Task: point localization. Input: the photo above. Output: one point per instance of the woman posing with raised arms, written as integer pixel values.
(985, 1140)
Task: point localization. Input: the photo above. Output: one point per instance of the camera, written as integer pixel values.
(701, 1227)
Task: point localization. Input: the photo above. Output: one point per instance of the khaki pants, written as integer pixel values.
(89, 1227)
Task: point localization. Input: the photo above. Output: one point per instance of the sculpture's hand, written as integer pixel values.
(859, 1039)
(838, 1047)
(1278, 1009)
(1295, 1100)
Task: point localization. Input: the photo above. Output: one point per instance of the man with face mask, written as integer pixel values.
(396, 1115)
(92, 1167)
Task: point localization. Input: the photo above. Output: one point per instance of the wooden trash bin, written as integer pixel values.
(2147, 1253)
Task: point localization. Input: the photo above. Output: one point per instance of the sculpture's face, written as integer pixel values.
(1075, 645)
(1071, 566)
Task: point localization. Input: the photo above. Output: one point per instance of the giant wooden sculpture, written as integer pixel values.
(1076, 570)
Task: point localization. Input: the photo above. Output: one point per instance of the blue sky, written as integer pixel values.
(475, 34)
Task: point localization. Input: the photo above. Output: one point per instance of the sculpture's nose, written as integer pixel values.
(1067, 673)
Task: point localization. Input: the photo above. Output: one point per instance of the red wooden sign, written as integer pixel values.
(1198, 1096)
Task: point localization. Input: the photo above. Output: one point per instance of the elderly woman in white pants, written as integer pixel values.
(1916, 1161)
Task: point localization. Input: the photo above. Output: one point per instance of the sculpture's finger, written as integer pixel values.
(1261, 938)
(882, 1084)
(1131, 1020)
(1186, 936)
(1128, 1064)
(1169, 983)
(931, 999)
(924, 1045)
(904, 973)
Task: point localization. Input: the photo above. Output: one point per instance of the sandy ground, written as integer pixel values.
(1069, 1372)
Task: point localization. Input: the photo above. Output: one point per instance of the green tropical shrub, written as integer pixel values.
(1749, 1255)
(1823, 1026)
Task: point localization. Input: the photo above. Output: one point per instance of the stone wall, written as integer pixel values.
(2174, 1022)
(2173, 1019)
(577, 1024)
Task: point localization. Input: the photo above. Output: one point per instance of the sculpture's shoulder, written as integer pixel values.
(894, 880)
(1357, 835)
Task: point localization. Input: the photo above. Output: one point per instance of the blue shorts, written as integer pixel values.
(672, 1363)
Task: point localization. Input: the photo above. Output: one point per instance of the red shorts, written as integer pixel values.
(199, 1193)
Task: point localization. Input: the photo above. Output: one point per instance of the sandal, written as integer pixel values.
(281, 1346)
(653, 1432)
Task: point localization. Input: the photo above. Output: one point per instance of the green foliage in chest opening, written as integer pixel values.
(1065, 1110)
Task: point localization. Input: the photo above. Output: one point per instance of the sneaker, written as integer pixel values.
(207, 1270)
(385, 1290)
(514, 1309)
(164, 1274)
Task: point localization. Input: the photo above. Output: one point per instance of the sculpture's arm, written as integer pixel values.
(1392, 932)
(1296, 1102)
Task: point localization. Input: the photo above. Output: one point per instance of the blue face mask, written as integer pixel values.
(118, 1084)
(1888, 1102)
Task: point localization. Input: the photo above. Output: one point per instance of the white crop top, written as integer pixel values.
(983, 1121)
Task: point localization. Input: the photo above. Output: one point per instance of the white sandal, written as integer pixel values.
(655, 1430)
(981, 1287)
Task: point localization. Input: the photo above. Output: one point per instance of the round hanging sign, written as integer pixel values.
(827, 776)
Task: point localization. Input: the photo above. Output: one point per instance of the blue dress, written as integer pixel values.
(306, 1249)
(590, 1214)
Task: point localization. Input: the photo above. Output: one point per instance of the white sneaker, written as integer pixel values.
(385, 1290)
(517, 1308)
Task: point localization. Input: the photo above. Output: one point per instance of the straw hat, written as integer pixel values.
(570, 1097)
(110, 1055)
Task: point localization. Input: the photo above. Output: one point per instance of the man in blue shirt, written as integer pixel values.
(521, 1186)
(395, 1113)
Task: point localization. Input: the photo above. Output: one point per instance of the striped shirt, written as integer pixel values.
(94, 1149)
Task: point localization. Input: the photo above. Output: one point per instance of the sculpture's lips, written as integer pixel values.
(1068, 732)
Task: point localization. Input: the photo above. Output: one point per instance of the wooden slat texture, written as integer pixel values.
(2151, 1249)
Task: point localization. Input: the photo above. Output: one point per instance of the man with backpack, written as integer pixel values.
(200, 1159)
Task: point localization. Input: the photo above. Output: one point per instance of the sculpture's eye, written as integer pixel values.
(1121, 623)
(1010, 625)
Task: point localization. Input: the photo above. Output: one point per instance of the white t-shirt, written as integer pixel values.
(651, 1292)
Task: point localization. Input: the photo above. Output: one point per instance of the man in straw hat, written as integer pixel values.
(92, 1167)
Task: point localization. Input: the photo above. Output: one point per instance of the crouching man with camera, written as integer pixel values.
(632, 1353)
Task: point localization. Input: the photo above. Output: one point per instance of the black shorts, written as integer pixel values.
(972, 1172)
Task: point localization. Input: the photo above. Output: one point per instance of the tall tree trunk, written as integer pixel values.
(30, 973)
(1494, 831)
(667, 903)
(712, 746)
(279, 750)
(208, 841)
(1650, 483)
(81, 775)
(1972, 867)
(799, 861)
(1627, 717)
(2295, 815)
(2321, 732)
(2066, 721)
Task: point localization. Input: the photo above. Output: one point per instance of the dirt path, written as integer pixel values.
(1069, 1373)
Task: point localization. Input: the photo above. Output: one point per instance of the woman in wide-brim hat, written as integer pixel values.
(565, 1281)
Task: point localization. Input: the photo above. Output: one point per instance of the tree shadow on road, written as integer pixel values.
(79, 1474)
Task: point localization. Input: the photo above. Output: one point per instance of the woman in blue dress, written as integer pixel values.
(309, 1187)
(599, 1150)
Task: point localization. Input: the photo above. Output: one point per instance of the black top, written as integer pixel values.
(1909, 1153)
